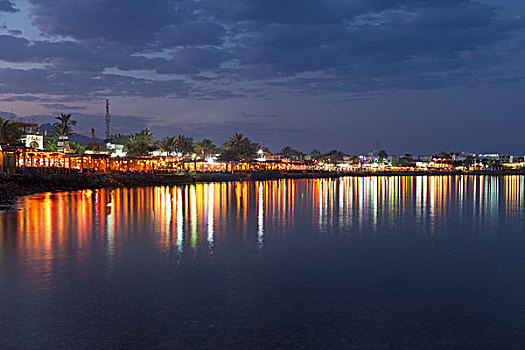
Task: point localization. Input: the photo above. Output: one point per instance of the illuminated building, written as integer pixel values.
(30, 136)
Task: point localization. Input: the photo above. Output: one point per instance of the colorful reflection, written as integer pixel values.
(423, 204)
(50, 229)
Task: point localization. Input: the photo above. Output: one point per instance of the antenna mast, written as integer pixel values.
(107, 119)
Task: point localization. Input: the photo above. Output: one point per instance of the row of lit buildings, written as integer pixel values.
(15, 158)
(31, 156)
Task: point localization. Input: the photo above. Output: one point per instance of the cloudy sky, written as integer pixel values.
(419, 76)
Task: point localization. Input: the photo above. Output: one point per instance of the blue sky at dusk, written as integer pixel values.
(419, 76)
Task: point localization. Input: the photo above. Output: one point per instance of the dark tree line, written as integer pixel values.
(237, 148)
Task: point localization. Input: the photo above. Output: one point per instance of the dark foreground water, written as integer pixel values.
(358, 263)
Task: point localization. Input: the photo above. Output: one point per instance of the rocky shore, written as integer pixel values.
(14, 186)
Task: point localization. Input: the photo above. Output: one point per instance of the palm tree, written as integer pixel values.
(184, 145)
(50, 145)
(132, 144)
(205, 147)
(239, 147)
(79, 148)
(137, 146)
(168, 145)
(141, 143)
(407, 159)
(236, 139)
(146, 136)
(9, 132)
(64, 126)
(334, 156)
(315, 153)
(118, 139)
(289, 152)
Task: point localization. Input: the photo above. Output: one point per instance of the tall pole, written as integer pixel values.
(107, 119)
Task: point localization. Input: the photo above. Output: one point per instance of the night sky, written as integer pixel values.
(419, 76)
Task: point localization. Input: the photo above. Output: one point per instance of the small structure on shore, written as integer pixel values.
(7, 159)
(30, 135)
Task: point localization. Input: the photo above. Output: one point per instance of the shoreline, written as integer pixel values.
(275, 175)
(13, 187)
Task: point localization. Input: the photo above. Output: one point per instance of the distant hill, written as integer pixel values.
(7, 115)
(82, 139)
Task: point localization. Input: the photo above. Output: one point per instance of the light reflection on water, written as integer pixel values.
(198, 216)
(305, 261)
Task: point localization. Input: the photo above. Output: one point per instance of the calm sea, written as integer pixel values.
(428, 262)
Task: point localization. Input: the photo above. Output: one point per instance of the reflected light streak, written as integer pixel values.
(180, 221)
(260, 217)
(109, 232)
(49, 225)
(211, 199)
(193, 213)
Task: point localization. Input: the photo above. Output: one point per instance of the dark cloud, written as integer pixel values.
(258, 116)
(191, 34)
(61, 107)
(131, 22)
(85, 85)
(223, 48)
(7, 6)
(435, 38)
(297, 11)
(194, 60)
(95, 57)
(27, 98)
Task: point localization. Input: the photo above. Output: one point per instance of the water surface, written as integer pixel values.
(423, 262)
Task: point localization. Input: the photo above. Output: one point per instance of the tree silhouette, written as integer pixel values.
(184, 145)
(239, 148)
(205, 147)
(9, 132)
(168, 145)
(64, 126)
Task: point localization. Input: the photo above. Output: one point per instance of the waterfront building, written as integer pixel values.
(8, 159)
(488, 156)
(116, 150)
(30, 136)
(392, 159)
